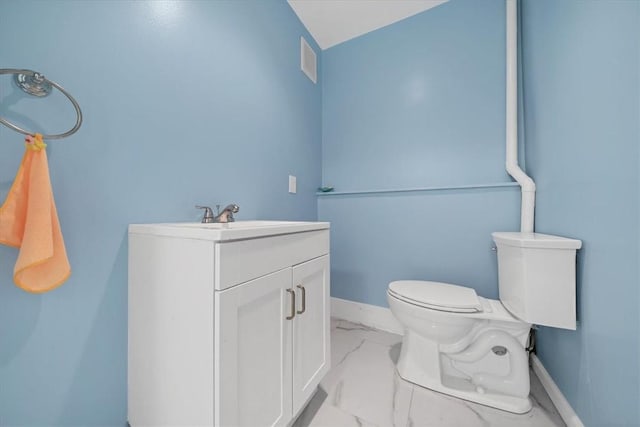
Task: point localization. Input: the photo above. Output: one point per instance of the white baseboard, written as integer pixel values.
(565, 410)
(365, 314)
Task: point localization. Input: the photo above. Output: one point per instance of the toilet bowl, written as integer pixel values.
(458, 343)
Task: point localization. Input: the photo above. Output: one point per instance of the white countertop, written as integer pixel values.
(237, 230)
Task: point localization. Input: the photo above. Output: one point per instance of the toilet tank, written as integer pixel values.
(537, 277)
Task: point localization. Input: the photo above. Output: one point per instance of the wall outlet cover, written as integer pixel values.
(293, 184)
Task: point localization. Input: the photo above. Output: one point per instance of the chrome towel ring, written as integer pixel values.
(36, 84)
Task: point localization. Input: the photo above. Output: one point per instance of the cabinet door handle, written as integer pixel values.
(304, 299)
(293, 304)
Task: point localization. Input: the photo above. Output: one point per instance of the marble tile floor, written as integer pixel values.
(363, 389)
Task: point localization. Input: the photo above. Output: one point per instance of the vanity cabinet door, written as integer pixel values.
(253, 352)
(311, 352)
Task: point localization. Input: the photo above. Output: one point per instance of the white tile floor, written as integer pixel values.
(363, 389)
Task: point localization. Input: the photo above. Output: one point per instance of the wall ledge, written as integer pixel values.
(420, 189)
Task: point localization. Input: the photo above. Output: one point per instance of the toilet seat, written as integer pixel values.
(436, 296)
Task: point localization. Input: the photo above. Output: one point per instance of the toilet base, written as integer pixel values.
(419, 363)
(516, 405)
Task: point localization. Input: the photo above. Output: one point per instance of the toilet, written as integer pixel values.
(461, 344)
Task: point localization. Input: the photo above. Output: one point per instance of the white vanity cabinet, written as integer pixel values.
(271, 353)
(228, 325)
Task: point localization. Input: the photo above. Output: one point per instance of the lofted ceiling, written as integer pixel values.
(331, 22)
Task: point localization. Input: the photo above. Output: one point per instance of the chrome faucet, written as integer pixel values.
(227, 213)
(225, 216)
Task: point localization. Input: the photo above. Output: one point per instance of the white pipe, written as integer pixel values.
(527, 186)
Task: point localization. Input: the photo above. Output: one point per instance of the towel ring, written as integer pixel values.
(36, 84)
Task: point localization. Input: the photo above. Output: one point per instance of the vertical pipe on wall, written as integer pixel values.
(527, 186)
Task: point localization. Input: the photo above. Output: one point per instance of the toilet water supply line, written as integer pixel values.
(527, 186)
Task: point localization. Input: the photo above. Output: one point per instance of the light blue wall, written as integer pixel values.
(582, 95)
(441, 236)
(185, 103)
(417, 104)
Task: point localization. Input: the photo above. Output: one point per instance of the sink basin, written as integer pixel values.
(234, 225)
(227, 231)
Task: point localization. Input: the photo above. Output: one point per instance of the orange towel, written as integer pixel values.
(29, 221)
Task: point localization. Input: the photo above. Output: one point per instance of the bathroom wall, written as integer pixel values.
(582, 95)
(185, 103)
(204, 102)
(417, 104)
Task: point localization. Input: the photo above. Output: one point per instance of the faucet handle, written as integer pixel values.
(208, 214)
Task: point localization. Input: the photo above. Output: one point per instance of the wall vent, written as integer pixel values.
(308, 62)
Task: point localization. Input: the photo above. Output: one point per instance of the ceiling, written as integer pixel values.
(331, 22)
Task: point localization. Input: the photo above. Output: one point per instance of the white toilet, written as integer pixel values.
(458, 343)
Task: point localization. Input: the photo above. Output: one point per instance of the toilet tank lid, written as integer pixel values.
(535, 240)
(443, 296)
